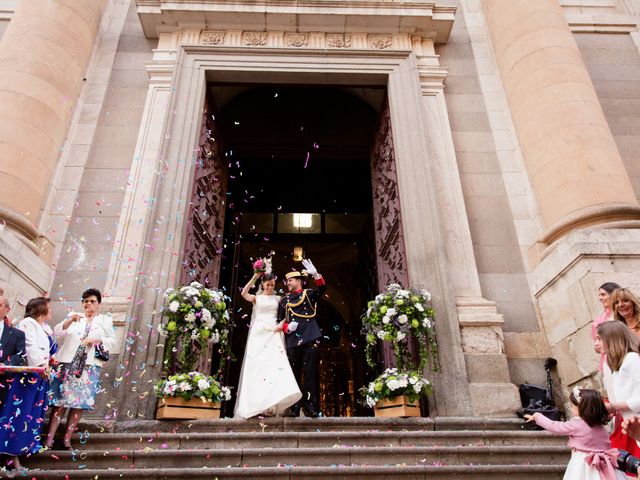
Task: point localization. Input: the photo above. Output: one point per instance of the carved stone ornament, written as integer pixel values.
(296, 40)
(380, 42)
(212, 38)
(255, 39)
(339, 41)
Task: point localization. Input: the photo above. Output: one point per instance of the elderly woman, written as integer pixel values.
(626, 308)
(23, 412)
(74, 387)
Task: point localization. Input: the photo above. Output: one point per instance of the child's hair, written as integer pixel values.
(591, 407)
(619, 340)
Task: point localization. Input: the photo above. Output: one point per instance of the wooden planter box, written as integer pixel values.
(397, 407)
(179, 408)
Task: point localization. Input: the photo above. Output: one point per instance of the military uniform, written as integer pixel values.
(300, 307)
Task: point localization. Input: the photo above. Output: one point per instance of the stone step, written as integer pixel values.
(275, 457)
(184, 441)
(515, 471)
(303, 424)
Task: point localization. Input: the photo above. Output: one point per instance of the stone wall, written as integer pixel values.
(497, 251)
(89, 195)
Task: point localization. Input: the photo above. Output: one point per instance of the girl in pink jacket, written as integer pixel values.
(591, 455)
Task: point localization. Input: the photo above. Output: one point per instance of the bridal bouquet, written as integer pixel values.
(262, 265)
(396, 316)
(192, 385)
(393, 383)
(194, 316)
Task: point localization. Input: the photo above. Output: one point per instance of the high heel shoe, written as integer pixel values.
(67, 445)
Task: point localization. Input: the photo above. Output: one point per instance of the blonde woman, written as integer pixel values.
(626, 308)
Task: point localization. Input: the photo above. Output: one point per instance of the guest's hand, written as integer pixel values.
(71, 319)
(293, 326)
(631, 427)
(528, 418)
(88, 342)
(46, 373)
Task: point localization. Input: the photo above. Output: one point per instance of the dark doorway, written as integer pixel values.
(299, 174)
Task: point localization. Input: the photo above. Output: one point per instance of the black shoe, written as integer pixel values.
(310, 411)
(294, 413)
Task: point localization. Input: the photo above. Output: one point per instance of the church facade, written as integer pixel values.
(491, 148)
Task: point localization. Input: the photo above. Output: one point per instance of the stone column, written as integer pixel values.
(572, 159)
(43, 57)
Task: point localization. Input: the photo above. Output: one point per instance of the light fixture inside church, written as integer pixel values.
(298, 253)
(302, 220)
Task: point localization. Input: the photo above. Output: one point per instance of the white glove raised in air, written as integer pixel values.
(310, 269)
(292, 327)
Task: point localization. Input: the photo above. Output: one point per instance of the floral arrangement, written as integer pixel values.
(260, 266)
(396, 316)
(393, 383)
(194, 316)
(192, 385)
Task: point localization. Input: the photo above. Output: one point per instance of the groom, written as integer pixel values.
(298, 310)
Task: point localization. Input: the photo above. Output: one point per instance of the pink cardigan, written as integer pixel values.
(605, 316)
(581, 436)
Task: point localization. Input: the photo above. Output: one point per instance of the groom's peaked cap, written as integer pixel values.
(293, 274)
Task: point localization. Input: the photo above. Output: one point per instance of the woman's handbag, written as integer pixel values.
(101, 353)
(76, 367)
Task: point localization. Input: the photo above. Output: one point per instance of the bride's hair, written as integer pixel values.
(266, 277)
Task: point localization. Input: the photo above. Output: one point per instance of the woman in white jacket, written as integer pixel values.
(76, 390)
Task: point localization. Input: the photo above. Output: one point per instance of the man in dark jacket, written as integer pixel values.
(12, 344)
(298, 311)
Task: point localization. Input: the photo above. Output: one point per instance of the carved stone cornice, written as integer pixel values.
(422, 18)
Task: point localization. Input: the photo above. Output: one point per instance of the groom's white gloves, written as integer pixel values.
(310, 269)
(292, 327)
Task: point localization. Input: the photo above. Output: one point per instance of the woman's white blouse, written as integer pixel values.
(70, 339)
(626, 384)
(36, 342)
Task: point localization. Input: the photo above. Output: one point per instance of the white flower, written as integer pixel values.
(401, 336)
(190, 317)
(195, 334)
(417, 387)
(206, 314)
(403, 382)
(402, 319)
(412, 380)
(426, 322)
(426, 295)
(386, 319)
(195, 285)
(371, 402)
(419, 307)
(173, 306)
(393, 384)
(184, 387)
(203, 384)
(391, 312)
(168, 292)
(402, 293)
(191, 292)
(381, 334)
(215, 337)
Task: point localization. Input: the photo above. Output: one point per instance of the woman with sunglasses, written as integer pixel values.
(75, 384)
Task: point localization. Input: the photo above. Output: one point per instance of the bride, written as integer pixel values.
(267, 384)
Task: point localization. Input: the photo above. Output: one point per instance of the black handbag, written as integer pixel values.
(101, 353)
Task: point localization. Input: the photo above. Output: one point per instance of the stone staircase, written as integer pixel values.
(283, 448)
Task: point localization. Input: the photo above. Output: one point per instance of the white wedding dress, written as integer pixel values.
(267, 384)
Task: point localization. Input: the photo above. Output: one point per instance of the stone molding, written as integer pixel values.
(601, 215)
(429, 19)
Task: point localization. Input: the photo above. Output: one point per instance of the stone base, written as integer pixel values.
(494, 399)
